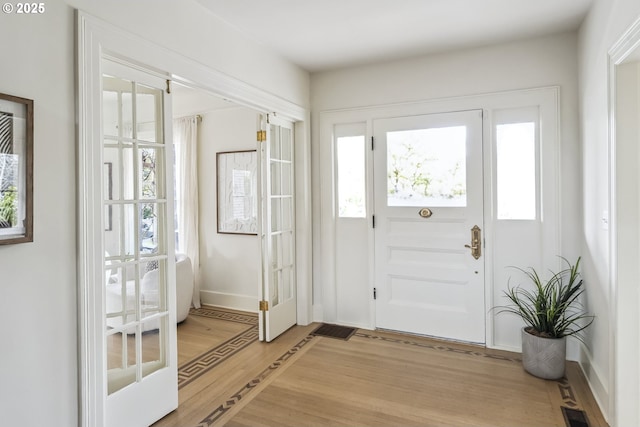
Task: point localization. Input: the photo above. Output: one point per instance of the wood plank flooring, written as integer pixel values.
(373, 379)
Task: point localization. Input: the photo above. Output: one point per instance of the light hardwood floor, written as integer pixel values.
(227, 377)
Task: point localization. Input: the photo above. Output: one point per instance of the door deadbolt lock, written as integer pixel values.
(476, 249)
(425, 212)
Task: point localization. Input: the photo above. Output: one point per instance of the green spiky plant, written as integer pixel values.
(552, 309)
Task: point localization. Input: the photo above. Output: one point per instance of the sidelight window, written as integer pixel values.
(516, 170)
(351, 175)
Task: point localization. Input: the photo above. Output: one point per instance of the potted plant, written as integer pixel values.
(552, 312)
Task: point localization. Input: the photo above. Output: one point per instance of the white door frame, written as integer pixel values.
(624, 197)
(97, 39)
(545, 98)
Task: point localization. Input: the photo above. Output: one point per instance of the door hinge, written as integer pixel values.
(375, 293)
(373, 221)
(262, 135)
(169, 86)
(264, 306)
(371, 143)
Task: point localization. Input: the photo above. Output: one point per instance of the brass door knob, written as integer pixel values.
(476, 250)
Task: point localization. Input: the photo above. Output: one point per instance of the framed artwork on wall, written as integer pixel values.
(16, 169)
(237, 188)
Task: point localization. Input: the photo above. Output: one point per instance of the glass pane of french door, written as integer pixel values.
(136, 246)
(278, 231)
(281, 200)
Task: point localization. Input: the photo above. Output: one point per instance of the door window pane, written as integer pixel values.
(149, 227)
(427, 167)
(152, 354)
(148, 107)
(287, 152)
(149, 161)
(276, 215)
(110, 116)
(127, 173)
(516, 171)
(276, 178)
(287, 213)
(351, 176)
(121, 359)
(275, 289)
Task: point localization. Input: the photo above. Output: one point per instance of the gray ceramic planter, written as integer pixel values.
(544, 357)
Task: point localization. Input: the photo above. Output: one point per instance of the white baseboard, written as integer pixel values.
(354, 325)
(599, 388)
(512, 349)
(232, 301)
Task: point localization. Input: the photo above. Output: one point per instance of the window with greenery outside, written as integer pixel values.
(148, 235)
(8, 190)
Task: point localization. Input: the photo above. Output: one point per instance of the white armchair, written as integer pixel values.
(149, 295)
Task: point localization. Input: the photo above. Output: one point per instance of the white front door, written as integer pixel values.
(139, 322)
(429, 266)
(278, 287)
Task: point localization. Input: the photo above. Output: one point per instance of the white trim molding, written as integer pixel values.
(232, 301)
(624, 345)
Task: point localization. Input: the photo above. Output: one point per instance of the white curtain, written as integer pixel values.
(185, 136)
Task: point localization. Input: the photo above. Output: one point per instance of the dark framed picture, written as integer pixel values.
(237, 192)
(16, 169)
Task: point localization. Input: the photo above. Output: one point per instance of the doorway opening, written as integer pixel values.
(99, 43)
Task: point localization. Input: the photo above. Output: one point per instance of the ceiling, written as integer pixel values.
(320, 35)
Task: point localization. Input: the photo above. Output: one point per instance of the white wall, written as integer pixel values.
(229, 263)
(605, 24)
(38, 377)
(546, 61)
(38, 369)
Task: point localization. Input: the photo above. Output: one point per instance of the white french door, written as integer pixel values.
(429, 266)
(278, 287)
(139, 322)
